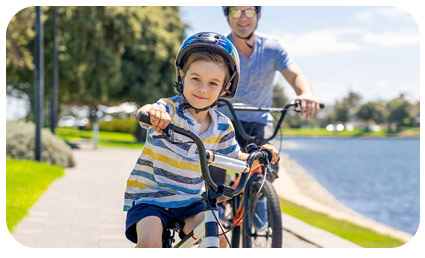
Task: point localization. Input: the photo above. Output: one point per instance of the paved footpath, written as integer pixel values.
(84, 208)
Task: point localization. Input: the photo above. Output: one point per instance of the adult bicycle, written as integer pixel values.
(264, 229)
(206, 234)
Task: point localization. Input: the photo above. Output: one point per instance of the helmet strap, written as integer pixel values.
(186, 105)
(178, 84)
(246, 39)
(228, 81)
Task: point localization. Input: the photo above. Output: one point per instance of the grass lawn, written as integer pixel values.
(362, 236)
(106, 139)
(319, 132)
(25, 183)
(407, 132)
(127, 140)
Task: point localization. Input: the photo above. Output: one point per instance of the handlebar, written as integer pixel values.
(249, 138)
(205, 157)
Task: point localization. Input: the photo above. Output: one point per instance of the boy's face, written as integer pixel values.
(203, 82)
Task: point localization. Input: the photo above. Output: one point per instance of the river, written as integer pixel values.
(377, 177)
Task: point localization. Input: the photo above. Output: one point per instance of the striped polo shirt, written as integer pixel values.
(169, 175)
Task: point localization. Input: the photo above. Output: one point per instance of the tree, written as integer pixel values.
(342, 111)
(19, 53)
(370, 112)
(279, 98)
(148, 61)
(353, 99)
(399, 112)
(106, 54)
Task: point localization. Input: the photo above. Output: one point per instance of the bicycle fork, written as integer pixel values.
(206, 232)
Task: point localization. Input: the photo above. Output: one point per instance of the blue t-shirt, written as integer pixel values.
(257, 75)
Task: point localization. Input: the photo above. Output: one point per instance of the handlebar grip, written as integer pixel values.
(298, 103)
(269, 154)
(144, 117)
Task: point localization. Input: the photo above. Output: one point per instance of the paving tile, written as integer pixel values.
(83, 209)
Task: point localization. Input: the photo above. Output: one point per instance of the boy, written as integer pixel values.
(166, 183)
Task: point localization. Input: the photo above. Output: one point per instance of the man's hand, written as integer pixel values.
(309, 105)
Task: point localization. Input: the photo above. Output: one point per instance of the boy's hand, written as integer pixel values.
(159, 118)
(274, 152)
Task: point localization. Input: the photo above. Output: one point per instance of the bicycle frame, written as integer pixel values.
(209, 227)
(241, 130)
(248, 138)
(242, 204)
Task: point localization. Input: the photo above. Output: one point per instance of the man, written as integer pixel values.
(260, 58)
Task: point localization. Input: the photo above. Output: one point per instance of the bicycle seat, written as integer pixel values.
(169, 232)
(175, 225)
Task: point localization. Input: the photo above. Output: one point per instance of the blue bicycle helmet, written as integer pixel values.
(210, 41)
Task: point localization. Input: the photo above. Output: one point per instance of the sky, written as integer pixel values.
(373, 51)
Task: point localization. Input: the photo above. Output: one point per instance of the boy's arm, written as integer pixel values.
(244, 156)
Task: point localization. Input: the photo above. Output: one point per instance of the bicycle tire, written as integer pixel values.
(272, 235)
(236, 236)
(236, 232)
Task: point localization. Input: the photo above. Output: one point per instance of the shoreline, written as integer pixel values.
(296, 185)
(351, 136)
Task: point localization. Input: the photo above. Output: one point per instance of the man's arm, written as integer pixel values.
(309, 104)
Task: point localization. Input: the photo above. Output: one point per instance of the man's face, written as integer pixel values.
(241, 20)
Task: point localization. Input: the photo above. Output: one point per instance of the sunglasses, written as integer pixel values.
(237, 13)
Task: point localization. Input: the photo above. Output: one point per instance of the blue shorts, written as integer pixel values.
(167, 216)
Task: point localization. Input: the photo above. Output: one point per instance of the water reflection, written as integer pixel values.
(377, 177)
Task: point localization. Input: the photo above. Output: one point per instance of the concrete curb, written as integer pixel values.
(311, 234)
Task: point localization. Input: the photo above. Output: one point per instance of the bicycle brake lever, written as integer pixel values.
(268, 166)
(297, 105)
(167, 138)
(168, 135)
(271, 171)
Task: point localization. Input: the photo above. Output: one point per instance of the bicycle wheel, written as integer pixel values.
(269, 234)
(230, 210)
(236, 236)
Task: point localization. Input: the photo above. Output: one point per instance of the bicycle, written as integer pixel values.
(252, 236)
(206, 233)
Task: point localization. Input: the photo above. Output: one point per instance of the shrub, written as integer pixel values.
(122, 125)
(20, 144)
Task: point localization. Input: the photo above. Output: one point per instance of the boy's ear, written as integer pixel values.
(226, 88)
(181, 74)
